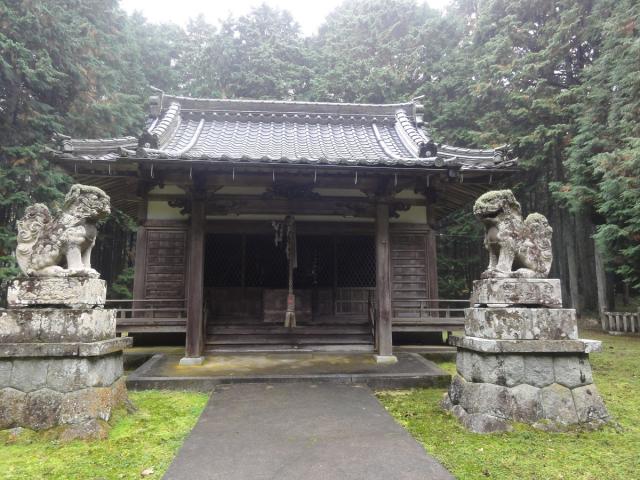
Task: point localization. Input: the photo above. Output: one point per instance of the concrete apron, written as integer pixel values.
(300, 431)
(164, 371)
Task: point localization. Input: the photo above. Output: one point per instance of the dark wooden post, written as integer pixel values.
(431, 250)
(194, 347)
(140, 262)
(384, 341)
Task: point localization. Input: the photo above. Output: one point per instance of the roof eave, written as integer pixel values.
(258, 163)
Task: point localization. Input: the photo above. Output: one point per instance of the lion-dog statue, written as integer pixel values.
(517, 248)
(61, 246)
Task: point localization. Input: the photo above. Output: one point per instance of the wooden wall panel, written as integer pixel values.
(410, 267)
(166, 257)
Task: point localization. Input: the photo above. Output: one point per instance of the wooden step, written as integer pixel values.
(288, 339)
(150, 321)
(281, 330)
(342, 320)
(265, 349)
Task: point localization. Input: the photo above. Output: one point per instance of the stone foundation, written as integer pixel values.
(59, 366)
(523, 364)
(46, 408)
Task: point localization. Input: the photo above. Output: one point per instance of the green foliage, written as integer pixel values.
(65, 66)
(531, 454)
(146, 439)
(604, 156)
(161, 53)
(122, 287)
(461, 255)
(258, 55)
(378, 51)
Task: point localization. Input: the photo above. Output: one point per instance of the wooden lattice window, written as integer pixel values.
(235, 260)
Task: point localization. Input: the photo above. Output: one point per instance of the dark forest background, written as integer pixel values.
(558, 80)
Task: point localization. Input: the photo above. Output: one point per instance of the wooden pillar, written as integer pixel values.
(383, 282)
(194, 347)
(140, 262)
(431, 252)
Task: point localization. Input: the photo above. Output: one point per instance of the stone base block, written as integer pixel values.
(191, 361)
(51, 325)
(64, 374)
(551, 392)
(486, 408)
(506, 292)
(510, 370)
(61, 349)
(386, 359)
(90, 430)
(74, 292)
(486, 345)
(46, 408)
(514, 323)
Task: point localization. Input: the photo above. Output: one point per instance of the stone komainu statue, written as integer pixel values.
(46, 244)
(516, 248)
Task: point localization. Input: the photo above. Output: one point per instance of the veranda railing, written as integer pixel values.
(429, 314)
(150, 315)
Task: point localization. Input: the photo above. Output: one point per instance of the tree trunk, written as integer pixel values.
(625, 294)
(601, 281)
(585, 252)
(572, 262)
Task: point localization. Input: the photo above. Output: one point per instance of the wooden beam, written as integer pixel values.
(384, 341)
(195, 322)
(264, 227)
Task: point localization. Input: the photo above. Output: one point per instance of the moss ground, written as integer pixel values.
(525, 453)
(145, 441)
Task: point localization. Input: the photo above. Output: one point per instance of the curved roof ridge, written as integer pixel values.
(102, 141)
(167, 125)
(408, 132)
(292, 106)
(462, 152)
(96, 145)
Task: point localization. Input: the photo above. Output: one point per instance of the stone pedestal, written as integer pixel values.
(521, 360)
(60, 359)
(76, 292)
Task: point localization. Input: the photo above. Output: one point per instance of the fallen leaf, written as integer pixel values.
(146, 472)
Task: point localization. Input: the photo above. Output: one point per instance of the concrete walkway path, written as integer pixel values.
(300, 431)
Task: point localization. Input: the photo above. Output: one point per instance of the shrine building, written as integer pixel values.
(253, 212)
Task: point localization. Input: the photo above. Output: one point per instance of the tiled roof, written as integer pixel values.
(285, 132)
